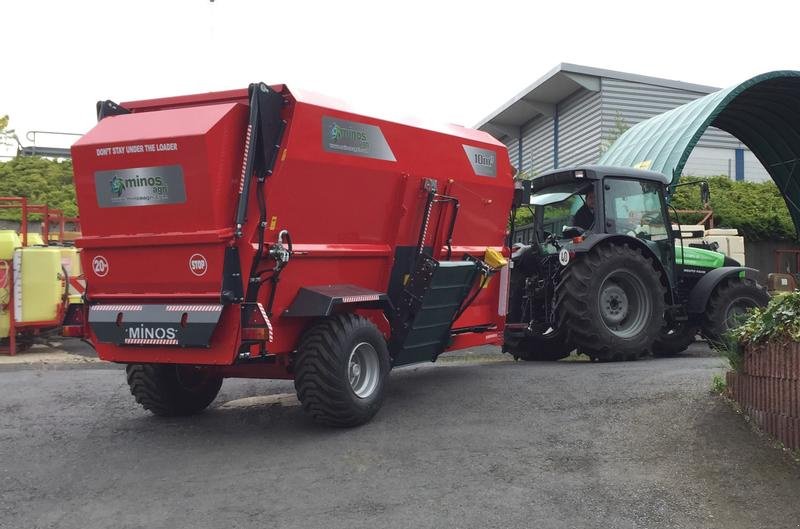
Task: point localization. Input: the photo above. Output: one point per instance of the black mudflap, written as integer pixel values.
(431, 300)
(183, 325)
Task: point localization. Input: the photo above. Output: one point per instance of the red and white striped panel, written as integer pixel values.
(116, 308)
(360, 299)
(193, 308)
(77, 285)
(150, 341)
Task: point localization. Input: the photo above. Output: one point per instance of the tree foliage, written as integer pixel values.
(41, 181)
(756, 209)
(5, 136)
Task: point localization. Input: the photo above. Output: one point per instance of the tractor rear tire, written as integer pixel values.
(543, 348)
(675, 340)
(611, 301)
(340, 370)
(170, 390)
(728, 304)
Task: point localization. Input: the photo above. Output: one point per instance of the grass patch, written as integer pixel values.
(718, 384)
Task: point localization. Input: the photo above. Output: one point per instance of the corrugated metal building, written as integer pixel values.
(574, 112)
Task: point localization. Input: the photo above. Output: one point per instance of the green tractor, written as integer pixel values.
(604, 273)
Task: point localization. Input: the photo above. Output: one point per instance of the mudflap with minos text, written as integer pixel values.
(183, 325)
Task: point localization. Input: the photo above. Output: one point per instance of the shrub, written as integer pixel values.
(778, 321)
(756, 209)
(42, 181)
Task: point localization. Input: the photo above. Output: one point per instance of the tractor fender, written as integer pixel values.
(316, 301)
(602, 238)
(698, 297)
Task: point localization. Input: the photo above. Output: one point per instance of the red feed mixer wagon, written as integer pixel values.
(269, 233)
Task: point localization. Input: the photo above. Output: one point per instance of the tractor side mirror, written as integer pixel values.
(705, 193)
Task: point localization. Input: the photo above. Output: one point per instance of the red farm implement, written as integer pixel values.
(272, 233)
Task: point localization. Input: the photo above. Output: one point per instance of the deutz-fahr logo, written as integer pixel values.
(347, 136)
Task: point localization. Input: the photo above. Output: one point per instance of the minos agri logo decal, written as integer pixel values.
(483, 161)
(355, 139)
(141, 186)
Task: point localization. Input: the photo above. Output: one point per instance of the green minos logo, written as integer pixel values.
(348, 136)
(139, 186)
(117, 186)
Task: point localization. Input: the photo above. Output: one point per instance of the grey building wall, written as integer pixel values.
(579, 128)
(537, 145)
(633, 102)
(587, 121)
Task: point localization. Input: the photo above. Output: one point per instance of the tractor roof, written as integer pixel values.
(594, 172)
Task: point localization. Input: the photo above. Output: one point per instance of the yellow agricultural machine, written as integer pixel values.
(40, 276)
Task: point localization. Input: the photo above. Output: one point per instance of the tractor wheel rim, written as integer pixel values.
(363, 370)
(624, 304)
(737, 310)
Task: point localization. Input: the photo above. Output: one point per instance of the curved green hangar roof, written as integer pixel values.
(762, 112)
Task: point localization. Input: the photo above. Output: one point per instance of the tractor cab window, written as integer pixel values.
(633, 207)
(563, 205)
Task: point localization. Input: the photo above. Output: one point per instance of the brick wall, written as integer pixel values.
(768, 389)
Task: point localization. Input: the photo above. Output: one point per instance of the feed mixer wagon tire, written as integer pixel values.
(340, 370)
(169, 390)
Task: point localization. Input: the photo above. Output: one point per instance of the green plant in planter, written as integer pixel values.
(731, 349)
(779, 320)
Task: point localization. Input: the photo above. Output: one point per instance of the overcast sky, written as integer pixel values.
(441, 61)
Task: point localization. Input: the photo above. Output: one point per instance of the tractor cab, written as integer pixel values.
(569, 206)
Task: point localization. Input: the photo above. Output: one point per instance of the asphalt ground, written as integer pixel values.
(476, 441)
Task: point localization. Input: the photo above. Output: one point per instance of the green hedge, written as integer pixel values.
(41, 180)
(756, 209)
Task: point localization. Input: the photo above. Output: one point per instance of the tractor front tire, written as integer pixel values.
(728, 304)
(611, 301)
(340, 370)
(170, 390)
(675, 340)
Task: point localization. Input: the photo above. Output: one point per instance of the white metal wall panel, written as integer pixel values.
(753, 170)
(579, 120)
(706, 161)
(513, 150)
